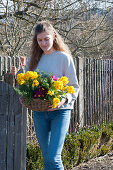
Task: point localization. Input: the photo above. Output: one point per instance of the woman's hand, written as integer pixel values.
(59, 105)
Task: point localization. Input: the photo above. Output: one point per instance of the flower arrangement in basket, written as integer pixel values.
(39, 91)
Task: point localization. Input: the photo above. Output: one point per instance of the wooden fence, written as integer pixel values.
(95, 102)
(6, 64)
(12, 130)
(98, 91)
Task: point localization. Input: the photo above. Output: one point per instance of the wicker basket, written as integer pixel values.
(37, 104)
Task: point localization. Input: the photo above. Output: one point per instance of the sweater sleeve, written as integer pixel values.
(70, 72)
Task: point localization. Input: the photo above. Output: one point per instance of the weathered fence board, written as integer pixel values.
(12, 130)
(2, 141)
(81, 98)
(3, 119)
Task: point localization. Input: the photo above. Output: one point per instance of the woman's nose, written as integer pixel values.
(43, 42)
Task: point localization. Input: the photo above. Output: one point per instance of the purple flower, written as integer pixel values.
(40, 93)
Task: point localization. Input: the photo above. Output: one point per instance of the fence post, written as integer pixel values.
(0, 67)
(9, 63)
(5, 64)
(13, 121)
(81, 93)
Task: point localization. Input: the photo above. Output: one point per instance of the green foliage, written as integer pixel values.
(26, 91)
(34, 158)
(78, 147)
(103, 150)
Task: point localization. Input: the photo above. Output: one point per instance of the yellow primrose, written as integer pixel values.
(58, 84)
(56, 100)
(22, 81)
(71, 89)
(65, 88)
(34, 75)
(20, 76)
(50, 92)
(35, 83)
(64, 79)
(28, 74)
(54, 105)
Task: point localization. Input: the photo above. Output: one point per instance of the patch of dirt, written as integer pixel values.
(100, 163)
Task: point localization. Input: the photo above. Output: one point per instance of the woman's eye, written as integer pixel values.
(46, 39)
(40, 40)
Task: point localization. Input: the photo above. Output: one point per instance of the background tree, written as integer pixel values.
(85, 25)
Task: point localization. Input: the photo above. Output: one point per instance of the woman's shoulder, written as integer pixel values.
(63, 55)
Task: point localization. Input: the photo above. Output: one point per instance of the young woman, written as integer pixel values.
(51, 55)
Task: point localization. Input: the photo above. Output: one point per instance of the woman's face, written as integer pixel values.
(45, 41)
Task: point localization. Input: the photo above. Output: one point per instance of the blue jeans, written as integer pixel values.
(51, 129)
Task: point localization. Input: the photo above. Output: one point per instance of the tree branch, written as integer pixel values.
(19, 47)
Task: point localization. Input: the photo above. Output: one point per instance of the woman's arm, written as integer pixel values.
(70, 72)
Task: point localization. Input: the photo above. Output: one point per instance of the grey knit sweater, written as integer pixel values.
(60, 64)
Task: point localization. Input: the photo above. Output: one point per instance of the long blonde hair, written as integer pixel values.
(36, 51)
